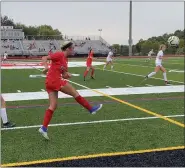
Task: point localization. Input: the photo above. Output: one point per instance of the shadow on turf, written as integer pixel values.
(172, 158)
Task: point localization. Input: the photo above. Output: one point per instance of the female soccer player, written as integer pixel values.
(54, 83)
(158, 63)
(89, 65)
(150, 55)
(6, 123)
(109, 60)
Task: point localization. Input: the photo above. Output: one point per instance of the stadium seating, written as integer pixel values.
(23, 47)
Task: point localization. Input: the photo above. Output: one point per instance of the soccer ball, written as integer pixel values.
(173, 41)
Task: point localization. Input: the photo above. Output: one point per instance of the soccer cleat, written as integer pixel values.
(44, 133)
(8, 125)
(84, 78)
(92, 77)
(146, 77)
(167, 83)
(95, 108)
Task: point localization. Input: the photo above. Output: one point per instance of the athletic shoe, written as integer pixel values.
(8, 125)
(92, 77)
(167, 83)
(146, 77)
(44, 133)
(95, 108)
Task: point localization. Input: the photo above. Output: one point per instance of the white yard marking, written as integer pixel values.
(175, 70)
(148, 85)
(90, 93)
(129, 85)
(91, 122)
(108, 87)
(31, 66)
(138, 75)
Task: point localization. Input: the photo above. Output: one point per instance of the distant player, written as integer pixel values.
(6, 123)
(158, 63)
(150, 55)
(89, 65)
(109, 60)
(55, 83)
(5, 56)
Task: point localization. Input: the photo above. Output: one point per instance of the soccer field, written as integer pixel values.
(137, 115)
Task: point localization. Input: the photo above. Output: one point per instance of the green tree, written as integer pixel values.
(6, 21)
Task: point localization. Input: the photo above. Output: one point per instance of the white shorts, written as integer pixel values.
(158, 64)
(109, 60)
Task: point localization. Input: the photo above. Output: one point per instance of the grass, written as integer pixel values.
(27, 145)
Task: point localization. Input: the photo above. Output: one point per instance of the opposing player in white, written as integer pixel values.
(5, 57)
(158, 63)
(109, 60)
(150, 55)
(6, 123)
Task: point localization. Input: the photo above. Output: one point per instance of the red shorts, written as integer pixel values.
(56, 85)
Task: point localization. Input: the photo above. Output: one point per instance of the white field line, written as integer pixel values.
(139, 65)
(91, 122)
(138, 75)
(129, 85)
(148, 85)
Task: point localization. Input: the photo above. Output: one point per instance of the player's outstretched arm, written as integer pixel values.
(45, 63)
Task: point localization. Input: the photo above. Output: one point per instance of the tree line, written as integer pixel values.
(144, 46)
(32, 31)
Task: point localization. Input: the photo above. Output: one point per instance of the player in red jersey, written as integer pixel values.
(89, 64)
(56, 81)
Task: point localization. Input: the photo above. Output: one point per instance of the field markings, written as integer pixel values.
(129, 85)
(148, 85)
(92, 122)
(91, 93)
(132, 105)
(138, 75)
(144, 66)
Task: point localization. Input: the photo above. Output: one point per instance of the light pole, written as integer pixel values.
(100, 30)
(130, 30)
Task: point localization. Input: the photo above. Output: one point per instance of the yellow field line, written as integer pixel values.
(91, 156)
(134, 106)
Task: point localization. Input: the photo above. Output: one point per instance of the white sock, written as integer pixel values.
(151, 74)
(4, 115)
(164, 75)
(112, 67)
(104, 67)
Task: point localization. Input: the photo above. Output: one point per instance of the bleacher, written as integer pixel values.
(18, 45)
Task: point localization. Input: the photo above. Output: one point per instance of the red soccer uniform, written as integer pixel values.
(89, 59)
(59, 64)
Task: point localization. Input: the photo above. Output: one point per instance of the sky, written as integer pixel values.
(85, 18)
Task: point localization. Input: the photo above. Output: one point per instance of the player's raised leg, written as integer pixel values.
(70, 90)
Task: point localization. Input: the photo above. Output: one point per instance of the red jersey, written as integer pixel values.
(59, 64)
(89, 58)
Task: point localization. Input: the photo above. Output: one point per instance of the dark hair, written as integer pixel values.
(66, 46)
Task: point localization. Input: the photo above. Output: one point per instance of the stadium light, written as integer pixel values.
(100, 30)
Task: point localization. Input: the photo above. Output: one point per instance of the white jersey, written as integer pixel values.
(159, 54)
(150, 53)
(109, 57)
(5, 55)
